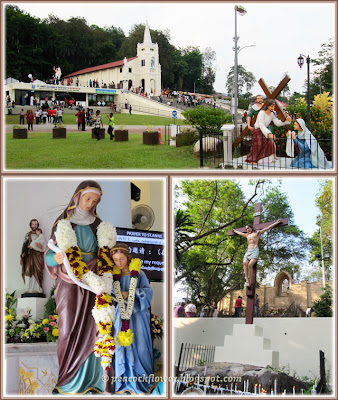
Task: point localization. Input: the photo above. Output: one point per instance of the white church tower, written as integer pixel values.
(148, 73)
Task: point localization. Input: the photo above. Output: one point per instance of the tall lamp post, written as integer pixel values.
(300, 61)
(242, 11)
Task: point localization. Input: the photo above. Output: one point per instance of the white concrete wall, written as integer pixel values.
(139, 101)
(298, 340)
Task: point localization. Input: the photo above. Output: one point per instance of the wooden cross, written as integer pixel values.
(250, 291)
(271, 96)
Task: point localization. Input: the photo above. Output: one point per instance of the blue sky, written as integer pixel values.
(302, 194)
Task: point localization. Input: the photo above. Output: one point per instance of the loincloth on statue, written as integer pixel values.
(251, 253)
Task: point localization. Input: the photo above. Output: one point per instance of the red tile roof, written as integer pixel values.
(99, 67)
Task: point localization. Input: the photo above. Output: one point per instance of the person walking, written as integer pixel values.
(111, 125)
(22, 116)
(97, 124)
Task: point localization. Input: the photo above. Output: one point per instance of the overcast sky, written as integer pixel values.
(280, 31)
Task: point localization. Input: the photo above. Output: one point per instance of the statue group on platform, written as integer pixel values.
(83, 365)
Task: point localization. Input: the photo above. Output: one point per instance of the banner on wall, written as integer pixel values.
(148, 246)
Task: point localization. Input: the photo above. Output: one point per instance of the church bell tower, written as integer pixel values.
(149, 68)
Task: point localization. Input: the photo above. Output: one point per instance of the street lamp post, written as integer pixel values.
(242, 11)
(300, 61)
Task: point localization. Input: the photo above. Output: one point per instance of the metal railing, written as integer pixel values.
(194, 354)
(212, 153)
(262, 311)
(294, 310)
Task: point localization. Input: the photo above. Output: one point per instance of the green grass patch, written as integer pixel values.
(120, 119)
(80, 151)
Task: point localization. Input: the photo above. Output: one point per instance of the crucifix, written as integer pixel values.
(258, 226)
(271, 96)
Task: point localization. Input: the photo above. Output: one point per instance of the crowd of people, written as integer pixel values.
(189, 310)
(181, 98)
(41, 116)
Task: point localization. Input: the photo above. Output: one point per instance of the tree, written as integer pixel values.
(194, 61)
(245, 79)
(206, 119)
(323, 306)
(211, 263)
(205, 84)
(323, 77)
(324, 202)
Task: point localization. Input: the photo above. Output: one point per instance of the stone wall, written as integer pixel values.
(303, 294)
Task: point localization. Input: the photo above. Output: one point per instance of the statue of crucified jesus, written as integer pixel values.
(251, 254)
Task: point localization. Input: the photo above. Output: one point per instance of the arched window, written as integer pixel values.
(152, 62)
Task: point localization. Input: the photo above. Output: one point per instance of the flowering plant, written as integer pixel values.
(156, 327)
(15, 325)
(125, 335)
(100, 283)
(47, 328)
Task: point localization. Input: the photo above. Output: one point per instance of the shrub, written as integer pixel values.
(187, 137)
(323, 306)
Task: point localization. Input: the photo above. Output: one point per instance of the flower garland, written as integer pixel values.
(125, 335)
(101, 283)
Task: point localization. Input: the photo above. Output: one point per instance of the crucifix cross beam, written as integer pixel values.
(271, 96)
(251, 290)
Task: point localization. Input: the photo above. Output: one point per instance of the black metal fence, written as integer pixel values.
(192, 355)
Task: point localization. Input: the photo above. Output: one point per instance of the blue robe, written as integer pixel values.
(88, 375)
(135, 360)
(303, 160)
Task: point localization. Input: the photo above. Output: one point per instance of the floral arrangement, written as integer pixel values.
(23, 329)
(125, 335)
(47, 328)
(100, 283)
(15, 325)
(156, 327)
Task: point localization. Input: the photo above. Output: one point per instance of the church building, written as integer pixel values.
(143, 71)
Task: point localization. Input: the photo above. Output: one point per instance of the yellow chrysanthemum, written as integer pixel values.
(55, 316)
(105, 330)
(125, 338)
(45, 321)
(55, 332)
(9, 317)
(135, 264)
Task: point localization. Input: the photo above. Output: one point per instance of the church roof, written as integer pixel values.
(99, 67)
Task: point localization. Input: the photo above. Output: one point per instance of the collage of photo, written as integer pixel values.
(192, 251)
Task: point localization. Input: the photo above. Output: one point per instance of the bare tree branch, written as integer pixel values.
(215, 230)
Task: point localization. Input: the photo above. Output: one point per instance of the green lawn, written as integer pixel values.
(120, 119)
(79, 151)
